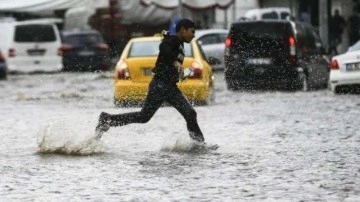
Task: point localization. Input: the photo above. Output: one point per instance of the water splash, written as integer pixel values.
(187, 145)
(68, 137)
(181, 145)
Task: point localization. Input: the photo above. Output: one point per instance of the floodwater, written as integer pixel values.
(274, 146)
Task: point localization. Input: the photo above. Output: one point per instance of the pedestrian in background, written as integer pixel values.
(336, 28)
(354, 27)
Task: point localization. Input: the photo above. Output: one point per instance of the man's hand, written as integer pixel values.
(178, 67)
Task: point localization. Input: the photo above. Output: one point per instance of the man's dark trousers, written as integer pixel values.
(158, 93)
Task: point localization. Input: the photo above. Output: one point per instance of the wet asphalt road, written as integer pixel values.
(274, 146)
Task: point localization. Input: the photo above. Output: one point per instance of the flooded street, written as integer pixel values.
(274, 146)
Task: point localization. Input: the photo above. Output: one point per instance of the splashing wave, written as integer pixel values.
(74, 138)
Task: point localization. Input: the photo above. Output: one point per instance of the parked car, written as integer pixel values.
(3, 67)
(133, 72)
(30, 45)
(275, 13)
(84, 50)
(275, 53)
(212, 42)
(345, 71)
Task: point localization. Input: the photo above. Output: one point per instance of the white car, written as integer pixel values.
(212, 41)
(345, 70)
(279, 13)
(31, 45)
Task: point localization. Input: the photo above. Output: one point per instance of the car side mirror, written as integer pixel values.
(214, 61)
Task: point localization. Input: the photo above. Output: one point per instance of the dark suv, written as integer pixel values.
(275, 53)
(84, 51)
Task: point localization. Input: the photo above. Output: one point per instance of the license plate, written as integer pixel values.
(148, 71)
(86, 53)
(36, 52)
(352, 67)
(259, 61)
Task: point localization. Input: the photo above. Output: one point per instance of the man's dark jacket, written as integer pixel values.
(171, 49)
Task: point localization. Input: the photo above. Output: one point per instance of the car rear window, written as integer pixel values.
(34, 33)
(271, 15)
(151, 49)
(82, 39)
(262, 29)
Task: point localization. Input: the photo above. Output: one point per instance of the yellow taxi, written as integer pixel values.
(133, 72)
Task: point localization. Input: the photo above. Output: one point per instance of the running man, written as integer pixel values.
(163, 88)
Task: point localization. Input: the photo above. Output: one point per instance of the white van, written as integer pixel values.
(279, 13)
(31, 45)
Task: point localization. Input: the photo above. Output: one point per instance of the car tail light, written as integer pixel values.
(334, 64)
(102, 47)
(227, 46)
(292, 44)
(292, 41)
(12, 52)
(65, 48)
(122, 70)
(2, 59)
(228, 42)
(197, 70)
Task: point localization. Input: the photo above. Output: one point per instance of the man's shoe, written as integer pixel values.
(198, 139)
(103, 124)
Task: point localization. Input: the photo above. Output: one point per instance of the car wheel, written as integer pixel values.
(66, 68)
(229, 86)
(232, 85)
(118, 103)
(241, 86)
(303, 82)
(338, 90)
(3, 75)
(211, 97)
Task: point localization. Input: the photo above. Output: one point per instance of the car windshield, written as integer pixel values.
(82, 39)
(355, 47)
(151, 49)
(34, 33)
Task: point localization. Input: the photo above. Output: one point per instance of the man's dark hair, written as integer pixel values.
(186, 23)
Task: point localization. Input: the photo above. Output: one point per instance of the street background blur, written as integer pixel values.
(273, 145)
(120, 20)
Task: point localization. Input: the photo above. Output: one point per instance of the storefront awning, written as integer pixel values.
(190, 4)
(48, 5)
(155, 12)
